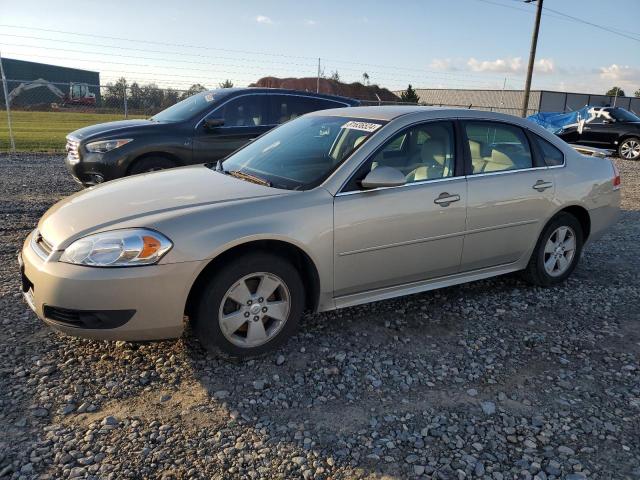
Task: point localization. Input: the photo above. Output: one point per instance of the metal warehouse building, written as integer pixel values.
(510, 101)
(19, 72)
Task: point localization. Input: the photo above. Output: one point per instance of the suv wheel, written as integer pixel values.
(629, 149)
(250, 306)
(151, 164)
(557, 252)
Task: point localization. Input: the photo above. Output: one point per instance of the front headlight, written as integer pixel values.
(118, 248)
(104, 146)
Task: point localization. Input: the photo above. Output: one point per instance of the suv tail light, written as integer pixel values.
(617, 183)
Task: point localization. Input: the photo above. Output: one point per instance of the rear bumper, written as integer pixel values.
(604, 217)
(140, 303)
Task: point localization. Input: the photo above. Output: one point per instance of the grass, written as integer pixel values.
(46, 131)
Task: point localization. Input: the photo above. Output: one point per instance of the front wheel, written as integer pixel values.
(557, 252)
(150, 164)
(250, 306)
(629, 149)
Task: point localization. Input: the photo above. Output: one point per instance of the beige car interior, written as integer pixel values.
(489, 155)
(422, 153)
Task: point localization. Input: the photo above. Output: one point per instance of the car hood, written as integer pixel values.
(132, 201)
(109, 128)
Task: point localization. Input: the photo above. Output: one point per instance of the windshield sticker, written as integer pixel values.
(364, 126)
(209, 97)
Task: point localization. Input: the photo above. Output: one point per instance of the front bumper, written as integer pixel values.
(147, 302)
(93, 168)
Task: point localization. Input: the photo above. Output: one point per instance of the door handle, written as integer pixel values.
(444, 200)
(541, 185)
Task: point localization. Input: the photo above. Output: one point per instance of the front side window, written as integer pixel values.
(423, 152)
(300, 154)
(622, 115)
(496, 147)
(244, 111)
(288, 107)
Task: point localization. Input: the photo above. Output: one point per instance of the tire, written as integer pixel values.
(538, 271)
(629, 148)
(151, 164)
(244, 337)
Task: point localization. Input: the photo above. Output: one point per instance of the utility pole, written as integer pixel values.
(318, 79)
(532, 57)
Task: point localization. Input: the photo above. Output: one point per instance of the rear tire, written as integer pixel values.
(556, 253)
(629, 148)
(151, 164)
(250, 306)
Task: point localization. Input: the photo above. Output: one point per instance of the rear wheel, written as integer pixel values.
(629, 148)
(557, 251)
(151, 164)
(250, 306)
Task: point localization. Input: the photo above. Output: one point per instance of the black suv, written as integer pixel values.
(203, 128)
(609, 127)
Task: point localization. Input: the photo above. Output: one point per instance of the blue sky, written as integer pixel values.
(429, 43)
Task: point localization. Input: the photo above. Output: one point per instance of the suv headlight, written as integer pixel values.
(118, 248)
(104, 146)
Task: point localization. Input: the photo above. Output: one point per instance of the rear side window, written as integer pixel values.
(552, 155)
(497, 147)
(288, 107)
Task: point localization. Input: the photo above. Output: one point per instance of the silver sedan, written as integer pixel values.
(333, 209)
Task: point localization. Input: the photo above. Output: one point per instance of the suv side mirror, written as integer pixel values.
(383, 177)
(213, 123)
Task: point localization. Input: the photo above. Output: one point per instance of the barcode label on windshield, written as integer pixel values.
(364, 126)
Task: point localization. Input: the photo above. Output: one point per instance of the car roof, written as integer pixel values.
(228, 92)
(390, 112)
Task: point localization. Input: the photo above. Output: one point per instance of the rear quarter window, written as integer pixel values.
(551, 155)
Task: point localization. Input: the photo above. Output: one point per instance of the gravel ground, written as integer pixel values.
(493, 380)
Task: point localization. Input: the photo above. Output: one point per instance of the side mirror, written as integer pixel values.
(213, 123)
(383, 177)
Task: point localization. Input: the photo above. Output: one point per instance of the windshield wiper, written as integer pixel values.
(249, 177)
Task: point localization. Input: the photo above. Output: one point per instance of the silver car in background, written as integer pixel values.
(333, 209)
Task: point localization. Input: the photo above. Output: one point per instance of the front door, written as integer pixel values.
(508, 196)
(392, 236)
(245, 118)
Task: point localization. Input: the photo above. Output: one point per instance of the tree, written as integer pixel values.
(409, 95)
(113, 96)
(335, 76)
(365, 78)
(637, 93)
(192, 90)
(615, 92)
(226, 84)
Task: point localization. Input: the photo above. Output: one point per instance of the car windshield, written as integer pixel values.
(187, 108)
(622, 115)
(301, 153)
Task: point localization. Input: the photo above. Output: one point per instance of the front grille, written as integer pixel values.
(72, 150)
(41, 246)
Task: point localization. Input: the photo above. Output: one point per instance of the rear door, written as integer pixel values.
(509, 194)
(245, 118)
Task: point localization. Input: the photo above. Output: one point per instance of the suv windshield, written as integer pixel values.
(303, 152)
(622, 115)
(187, 108)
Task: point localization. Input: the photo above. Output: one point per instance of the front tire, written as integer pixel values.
(250, 306)
(151, 164)
(556, 253)
(629, 148)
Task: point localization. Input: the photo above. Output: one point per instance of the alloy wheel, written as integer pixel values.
(630, 149)
(254, 309)
(559, 251)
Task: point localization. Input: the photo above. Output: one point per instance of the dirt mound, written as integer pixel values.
(357, 90)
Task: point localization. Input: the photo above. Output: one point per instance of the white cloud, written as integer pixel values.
(444, 64)
(510, 65)
(620, 72)
(264, 19)
(310, 23)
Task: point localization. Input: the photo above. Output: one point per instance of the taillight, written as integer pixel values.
(616, 177)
